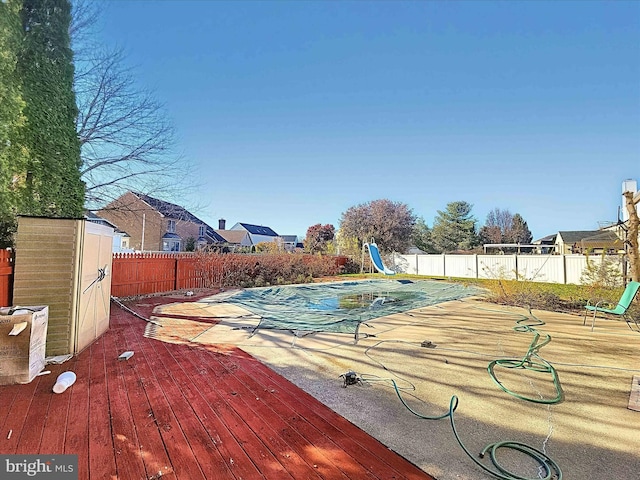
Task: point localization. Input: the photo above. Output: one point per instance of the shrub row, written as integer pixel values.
(235, 270)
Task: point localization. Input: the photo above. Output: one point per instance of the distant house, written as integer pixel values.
(584, 241)
(156, 225)
(120, 238)
(257, 233)
(547, 244)
(235, 239)
(291, 242)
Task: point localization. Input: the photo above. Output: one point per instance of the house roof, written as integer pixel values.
(213, 235)
(606, 239)
(576, 236)
(173, 211)
(289, 238)
(255, 229)
(549, 239)
(168, 209)
(233, 236)
(92, 217)
(171, 235)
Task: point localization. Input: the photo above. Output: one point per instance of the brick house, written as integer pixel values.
(156, 225)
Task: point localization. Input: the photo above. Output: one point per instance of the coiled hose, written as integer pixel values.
(531, 361)
(549, 468)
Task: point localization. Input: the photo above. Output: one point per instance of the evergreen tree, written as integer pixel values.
(12, 155)
(454, 228)
(421, 236)
(520, 232)
(45, 67)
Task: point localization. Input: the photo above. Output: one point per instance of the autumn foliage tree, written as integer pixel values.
(318, 236)
(389, 223)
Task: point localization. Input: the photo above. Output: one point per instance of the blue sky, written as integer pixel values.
(290, 112)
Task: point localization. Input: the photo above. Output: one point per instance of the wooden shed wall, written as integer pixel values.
(45, 274)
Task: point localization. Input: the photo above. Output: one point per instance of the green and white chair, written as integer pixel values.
(621, 309)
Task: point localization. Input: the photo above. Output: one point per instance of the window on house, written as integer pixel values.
(171, 226)
(170, 245)
(201, 231)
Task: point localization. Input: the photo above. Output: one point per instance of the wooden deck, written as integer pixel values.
(185, 412)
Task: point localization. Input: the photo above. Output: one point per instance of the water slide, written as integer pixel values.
(374, 253)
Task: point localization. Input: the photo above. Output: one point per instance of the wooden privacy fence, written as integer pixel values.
(6, 278)
(143, 273)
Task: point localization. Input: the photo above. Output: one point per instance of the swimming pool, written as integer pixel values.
(339, 307)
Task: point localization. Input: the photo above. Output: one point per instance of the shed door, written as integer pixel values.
(94, 292)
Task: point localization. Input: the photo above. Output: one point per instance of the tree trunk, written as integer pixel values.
(633, 253)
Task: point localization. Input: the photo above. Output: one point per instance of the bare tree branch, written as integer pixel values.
(127, 140)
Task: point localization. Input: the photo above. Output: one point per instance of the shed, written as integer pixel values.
(66, 265)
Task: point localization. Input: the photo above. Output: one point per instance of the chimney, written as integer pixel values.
(221, 224)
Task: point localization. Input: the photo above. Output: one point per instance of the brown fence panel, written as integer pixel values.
(6, 278)
(142, 273)
(188, 273)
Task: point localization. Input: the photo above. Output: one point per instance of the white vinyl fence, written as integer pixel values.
(535, 268)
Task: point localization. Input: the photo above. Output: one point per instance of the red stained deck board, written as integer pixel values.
(339, 429)
(8, 395)
(101, 451)
(223, 456)
(250, 405)
(82, 408)
(220, 397)
(262, 403)
(128, 456)
(171, 412)
(304, 437)
(342, 432)
(137, 376)
(217, 413)
(229, 450)
(15, 423)
(36, 416)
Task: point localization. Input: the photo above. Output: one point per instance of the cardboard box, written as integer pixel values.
(22, 354)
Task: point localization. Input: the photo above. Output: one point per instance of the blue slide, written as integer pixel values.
(374, 253)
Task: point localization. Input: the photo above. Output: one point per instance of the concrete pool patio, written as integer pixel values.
(590, 434)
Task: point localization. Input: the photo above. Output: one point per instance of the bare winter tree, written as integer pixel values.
(126, 138)
(633, 251)
(497, 226)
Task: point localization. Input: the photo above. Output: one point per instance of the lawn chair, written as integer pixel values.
(621, 309)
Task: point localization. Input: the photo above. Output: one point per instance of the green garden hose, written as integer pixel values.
(550, 469)
(531, 361)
